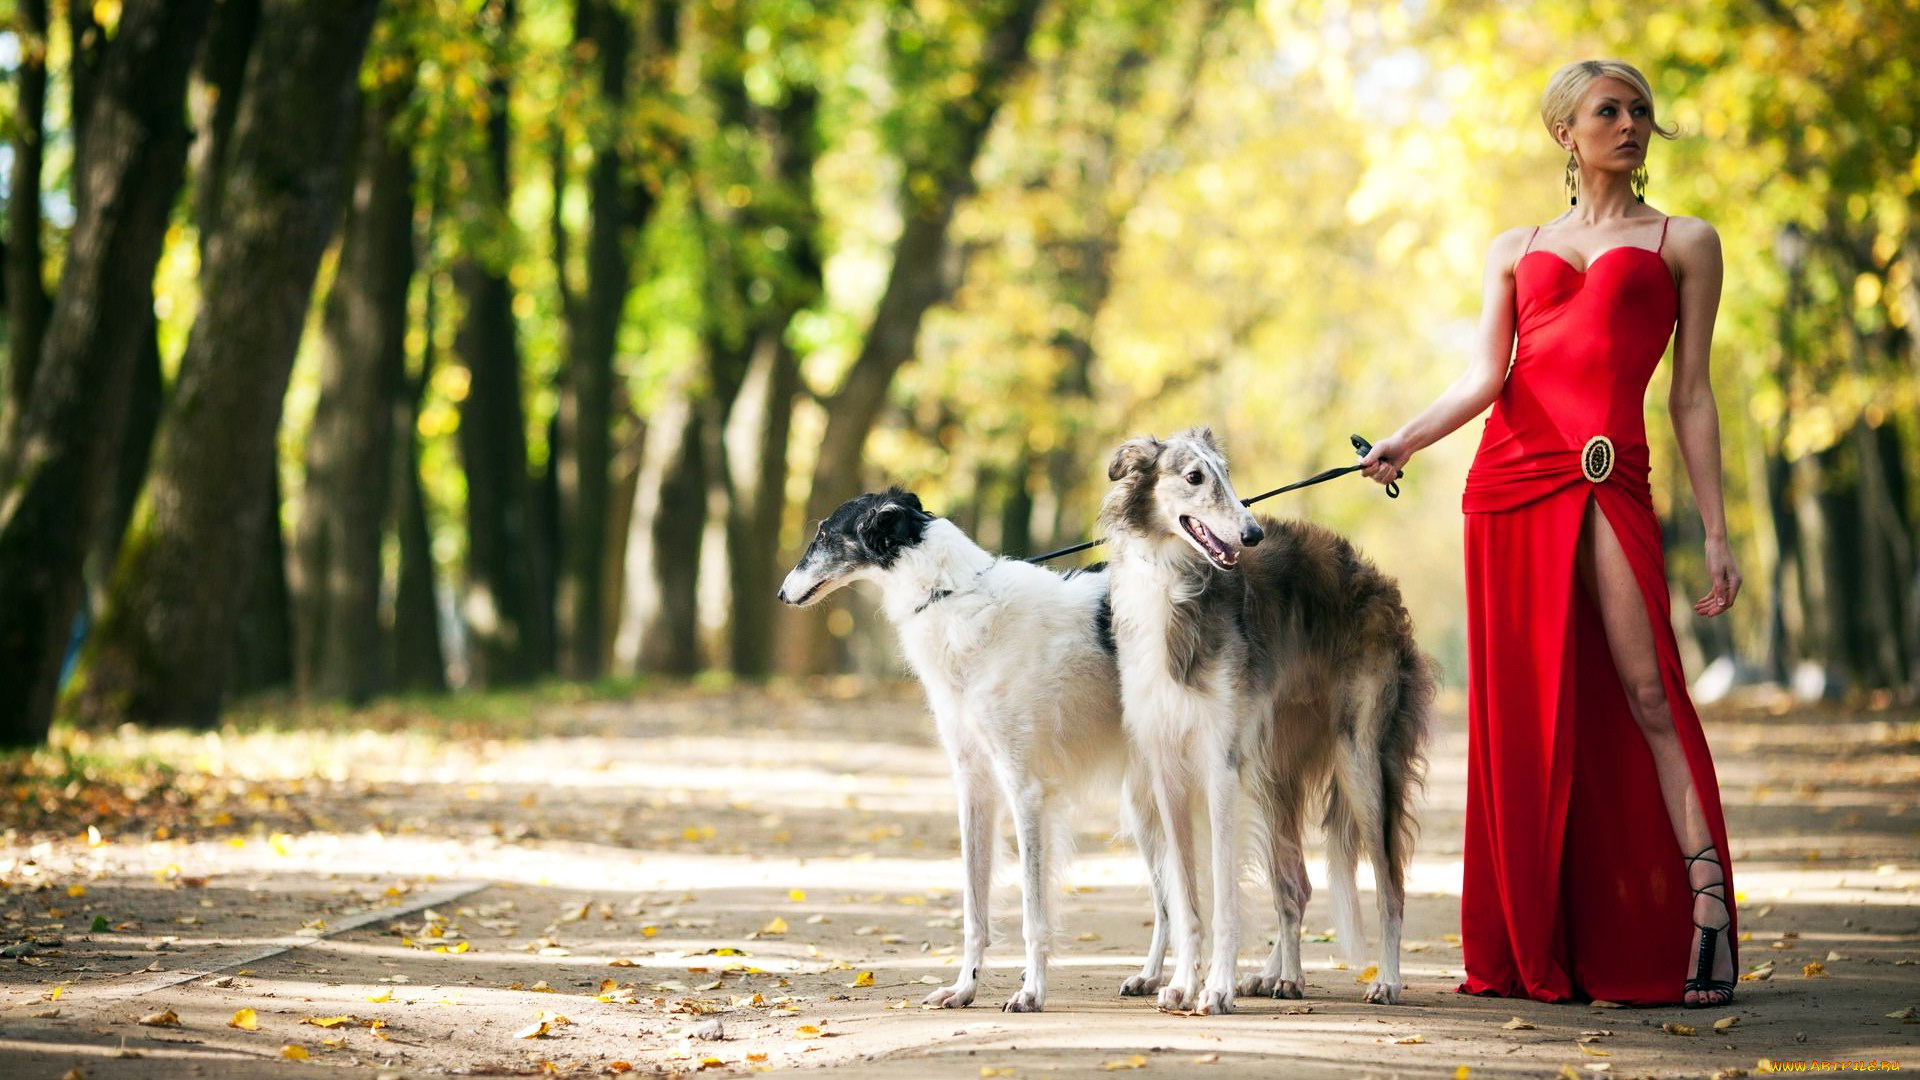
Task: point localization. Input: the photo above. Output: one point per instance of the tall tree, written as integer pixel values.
(506, 614)
(617, 208)
(26, 293)
(56, 457)
(349, 453)
(164, 651)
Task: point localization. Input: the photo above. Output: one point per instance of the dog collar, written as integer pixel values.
(933, 597)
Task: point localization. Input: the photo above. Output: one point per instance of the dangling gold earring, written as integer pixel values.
(1572, 181)
(1640, 183)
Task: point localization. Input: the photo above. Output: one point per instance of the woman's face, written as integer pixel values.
(1611, 127)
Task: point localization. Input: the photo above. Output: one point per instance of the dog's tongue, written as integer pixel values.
(1221, 553)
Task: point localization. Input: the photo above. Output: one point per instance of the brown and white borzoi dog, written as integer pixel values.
(1267, 658)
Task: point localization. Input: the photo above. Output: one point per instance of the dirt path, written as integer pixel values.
(784, 867)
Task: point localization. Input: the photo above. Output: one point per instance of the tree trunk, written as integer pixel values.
(659, 626)
(584, 446)
(363, 362)
(146, 401)
(418, 662)
(54, 462)
(26, 293)
(503, 609)
(216, 103)
(757, 434)
(164, 651)
(262, 635)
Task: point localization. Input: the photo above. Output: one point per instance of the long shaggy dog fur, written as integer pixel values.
(1265, 657)
(1018, 666)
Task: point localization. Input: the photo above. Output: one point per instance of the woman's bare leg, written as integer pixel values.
(1608, 578)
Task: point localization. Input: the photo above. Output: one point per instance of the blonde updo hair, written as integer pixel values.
(1570, 83)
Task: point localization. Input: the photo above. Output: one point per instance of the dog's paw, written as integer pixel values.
(1141, 985)
(1024, 1001)
(957, 996)
(1174, 998)
(1215, 1001)
(1272, 986)
(1384, 993)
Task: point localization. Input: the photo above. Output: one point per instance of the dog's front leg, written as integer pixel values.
(976, 854)
(1222, 778)
(1036, 884)
(1143, 822)
(1173, 794)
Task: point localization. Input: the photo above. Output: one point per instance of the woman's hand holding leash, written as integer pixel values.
(1385, 461)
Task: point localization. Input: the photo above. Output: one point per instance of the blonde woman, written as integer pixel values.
(1596, 854)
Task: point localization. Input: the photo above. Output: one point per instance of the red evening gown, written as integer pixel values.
(1575, 886)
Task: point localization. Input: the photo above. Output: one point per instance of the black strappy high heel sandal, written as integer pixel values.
(1703, 981)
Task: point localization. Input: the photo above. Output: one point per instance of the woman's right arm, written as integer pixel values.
(1475, 389)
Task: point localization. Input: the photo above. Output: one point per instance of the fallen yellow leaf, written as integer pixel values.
(1759, 974)
(806, 1031)
(281, 843)
(797, 896)
(997, 1070)
(245, 1021)
(1137, 1061)
(1902, 1014)
(1515, 1024)
(1409, 1040)
(328, 1021)
(756, 1057)
(1207, 1059)
(865, 978)
(163, 1018)
(382, 997)
(1678, 1029)
(1591, 1051)
(1367, 974)
(294, 1053)
(76, 891)
(1461, 1073)
(1814, 969)
(777, 926)
(1725, 1022)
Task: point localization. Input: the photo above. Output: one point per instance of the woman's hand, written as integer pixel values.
(1725, 579)
(1387, 460)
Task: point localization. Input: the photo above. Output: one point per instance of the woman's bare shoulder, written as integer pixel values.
(1691, 234)
(1507, 247)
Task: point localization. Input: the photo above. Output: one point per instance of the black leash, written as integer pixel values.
(1360, 446)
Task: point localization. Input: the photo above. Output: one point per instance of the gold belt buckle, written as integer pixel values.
(1596, 459)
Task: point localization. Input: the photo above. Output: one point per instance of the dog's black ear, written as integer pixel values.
(905, 498)
(1134, 455)
(892, 525)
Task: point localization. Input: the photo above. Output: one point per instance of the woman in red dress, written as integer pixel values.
(1596, 854)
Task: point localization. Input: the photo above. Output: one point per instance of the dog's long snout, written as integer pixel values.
(1252, 535)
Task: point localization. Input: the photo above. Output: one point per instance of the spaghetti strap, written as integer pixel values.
(1536, 232)
(1664, 222)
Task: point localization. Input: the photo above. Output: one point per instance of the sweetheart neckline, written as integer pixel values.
(1595, 261)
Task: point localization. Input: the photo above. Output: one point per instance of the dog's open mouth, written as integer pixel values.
(1223, 555)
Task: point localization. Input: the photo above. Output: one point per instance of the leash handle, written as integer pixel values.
(1362, 447)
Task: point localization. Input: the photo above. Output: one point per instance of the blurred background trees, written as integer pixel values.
(360, 348)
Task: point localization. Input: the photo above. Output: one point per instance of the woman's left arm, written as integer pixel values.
(1696, 420)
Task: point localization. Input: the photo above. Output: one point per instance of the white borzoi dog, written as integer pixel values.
(1267, 658)
(1018, 666)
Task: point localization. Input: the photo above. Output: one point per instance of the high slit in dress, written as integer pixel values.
(1575, 887)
